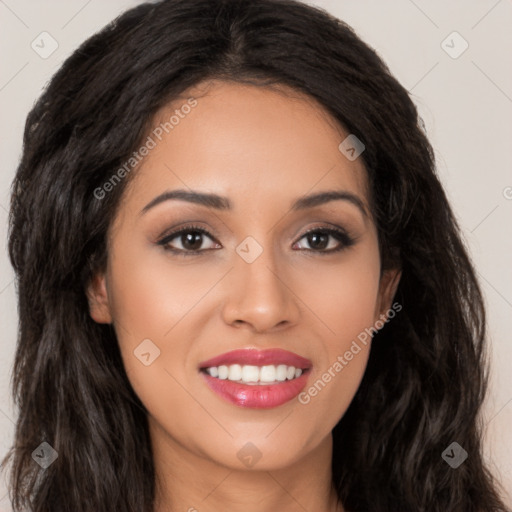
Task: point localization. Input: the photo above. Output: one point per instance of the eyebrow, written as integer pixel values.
(223, 203)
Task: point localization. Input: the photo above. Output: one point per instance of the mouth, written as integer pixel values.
(258, 379)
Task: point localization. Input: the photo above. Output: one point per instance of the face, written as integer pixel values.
(297, 281)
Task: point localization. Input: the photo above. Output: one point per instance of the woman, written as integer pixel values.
(241, 286)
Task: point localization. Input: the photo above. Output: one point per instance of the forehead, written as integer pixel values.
(246, 141)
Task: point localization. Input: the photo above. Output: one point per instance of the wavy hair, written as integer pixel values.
(426, 375)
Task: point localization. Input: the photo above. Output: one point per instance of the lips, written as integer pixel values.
(252, 356)
(261, 396)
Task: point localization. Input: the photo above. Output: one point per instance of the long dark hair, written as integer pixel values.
(426, 375)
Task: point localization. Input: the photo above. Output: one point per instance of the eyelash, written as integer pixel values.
(340, 235)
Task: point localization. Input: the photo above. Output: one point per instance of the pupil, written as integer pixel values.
(316, 236)
(193, 240)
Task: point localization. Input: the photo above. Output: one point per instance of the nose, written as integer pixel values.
(260, 295)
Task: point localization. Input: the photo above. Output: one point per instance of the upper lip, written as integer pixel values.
(257, 357)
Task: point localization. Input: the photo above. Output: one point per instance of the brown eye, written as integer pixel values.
(318, 240)
(191, 239)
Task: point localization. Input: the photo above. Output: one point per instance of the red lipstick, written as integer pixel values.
(258, 357)
(256, 395)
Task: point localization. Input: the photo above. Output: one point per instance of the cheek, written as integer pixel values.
(151, 293)
(344, 300)
(148, 300)
(344, 297)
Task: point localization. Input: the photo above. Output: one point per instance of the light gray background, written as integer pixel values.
(466, 103)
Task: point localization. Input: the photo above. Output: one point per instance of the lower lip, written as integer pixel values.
(257, 396)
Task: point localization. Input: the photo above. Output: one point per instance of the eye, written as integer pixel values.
(318, 239)
(189, 237)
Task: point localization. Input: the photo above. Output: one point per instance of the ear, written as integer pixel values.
(387, 290)
(97, 295)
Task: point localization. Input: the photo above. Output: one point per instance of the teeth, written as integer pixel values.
(249, 374)
(281, 372)
(235, 372)
(223, 372)
(268, 373)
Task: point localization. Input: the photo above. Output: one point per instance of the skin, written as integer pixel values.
(263, 149)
